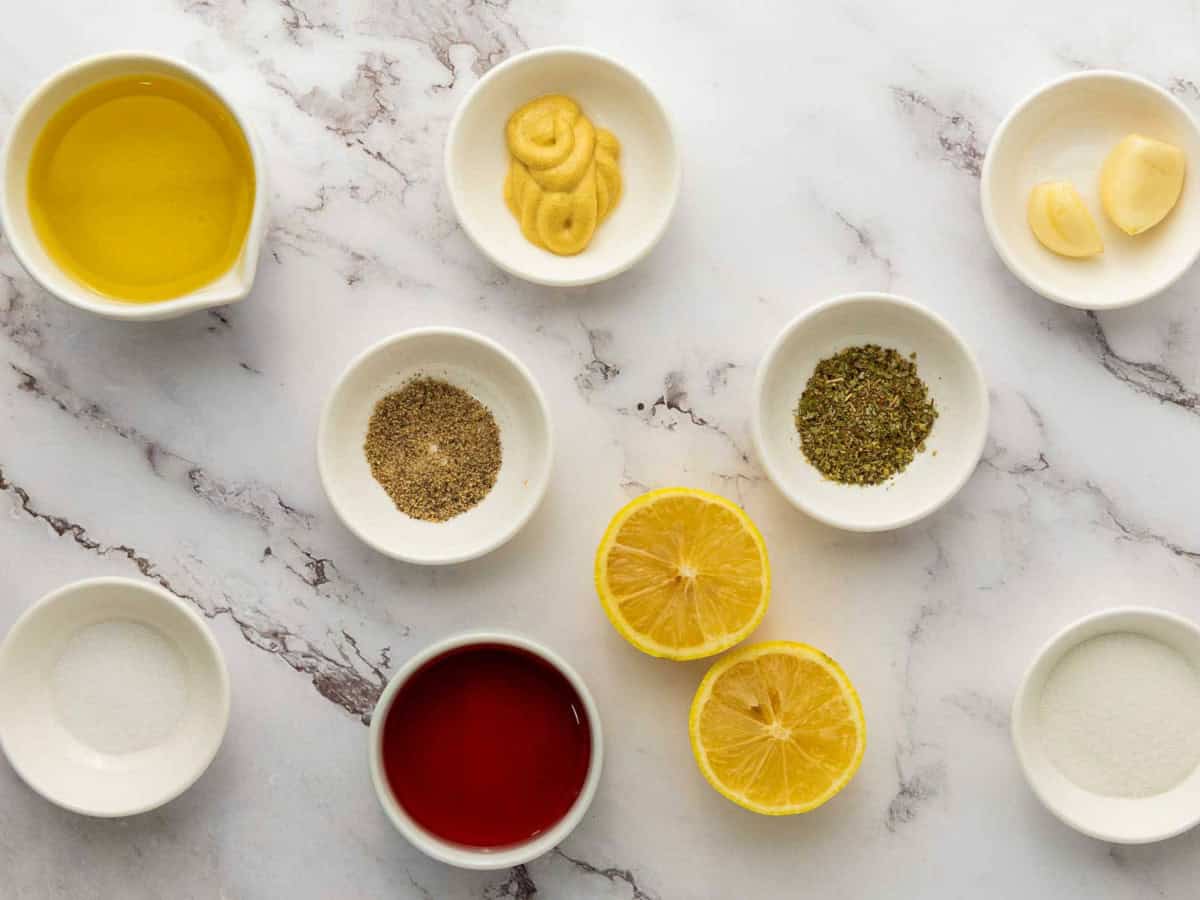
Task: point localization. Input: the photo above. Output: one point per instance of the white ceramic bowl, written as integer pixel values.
(613, 97)
(471, 857)
(1119, 820)
(54, 752)
(23, 133)
(482, 368)
(943, 361)
(1063, 132)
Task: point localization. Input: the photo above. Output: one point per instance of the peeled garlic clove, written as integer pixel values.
(1061, 221)
(566, 221)
(1140, 182)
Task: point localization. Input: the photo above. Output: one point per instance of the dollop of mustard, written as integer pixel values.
(563, 178)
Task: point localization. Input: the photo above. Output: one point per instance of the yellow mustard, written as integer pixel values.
(563, 179)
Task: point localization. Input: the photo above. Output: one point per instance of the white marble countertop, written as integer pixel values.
(827, 148)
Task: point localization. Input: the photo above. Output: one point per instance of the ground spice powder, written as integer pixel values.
(864, 414)
(434, 448)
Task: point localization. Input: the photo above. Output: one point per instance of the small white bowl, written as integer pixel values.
(55, 753)
(1063, 132)
(944, 363)
(613, 97)
(23, 132)
(1118, 820)
(473, 857)
(482, 368)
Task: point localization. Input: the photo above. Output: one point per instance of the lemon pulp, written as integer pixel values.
(777, 728)
(141, 187)
(682, 573)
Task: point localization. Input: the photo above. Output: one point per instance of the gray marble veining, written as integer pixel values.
(827, 148)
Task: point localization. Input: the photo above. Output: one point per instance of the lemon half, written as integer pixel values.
(682, 573)
(777, 728)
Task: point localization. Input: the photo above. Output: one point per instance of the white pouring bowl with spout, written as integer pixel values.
(17, 224)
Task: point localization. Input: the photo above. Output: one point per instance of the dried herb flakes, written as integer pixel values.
(864, 415)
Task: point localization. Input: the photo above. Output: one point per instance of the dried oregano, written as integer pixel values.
(434, 448)
(864, 414)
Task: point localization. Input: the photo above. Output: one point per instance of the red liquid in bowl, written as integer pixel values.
(486, 746)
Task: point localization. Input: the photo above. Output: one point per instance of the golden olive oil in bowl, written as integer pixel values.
(141, 187)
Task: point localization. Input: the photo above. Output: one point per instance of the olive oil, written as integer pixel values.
(141, 187)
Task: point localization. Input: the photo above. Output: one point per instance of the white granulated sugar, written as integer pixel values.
(1120, 716)
(120, 686)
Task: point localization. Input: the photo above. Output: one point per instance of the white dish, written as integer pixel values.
(483, 369)
(944, 363)
(613, 97)
(23, 133)
(1119, 820)
(1063, 132)
(469, 857)
(56, 751)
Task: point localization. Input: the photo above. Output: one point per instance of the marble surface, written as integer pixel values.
(827, 148)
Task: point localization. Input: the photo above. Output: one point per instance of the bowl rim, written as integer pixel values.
(325, 431)
(199, 627)
(768, 362)
(468, 857)
(986, 190)
(116, 309)
(455, 189)
(1053, 650)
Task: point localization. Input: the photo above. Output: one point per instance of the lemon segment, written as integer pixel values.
(777, 728)
(682, 573)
